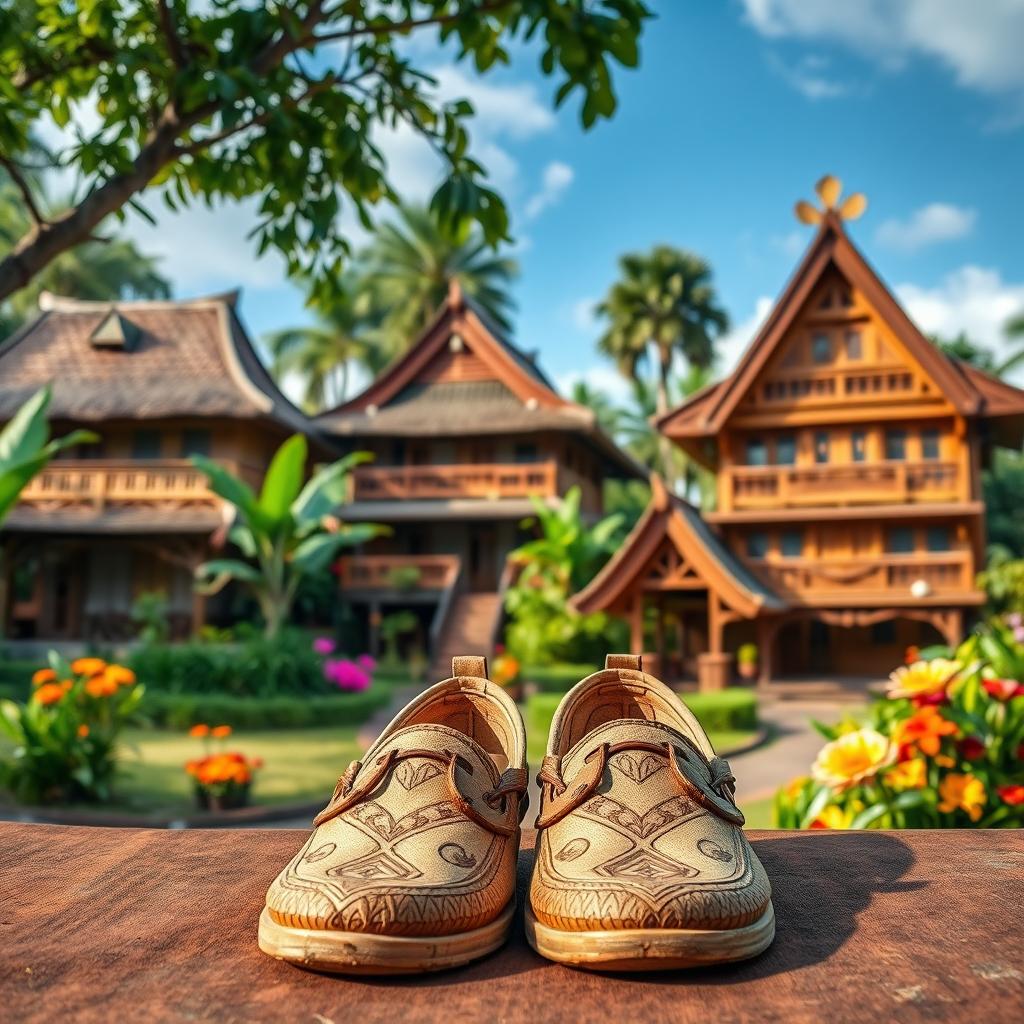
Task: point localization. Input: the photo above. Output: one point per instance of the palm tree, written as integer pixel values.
(409, 264)
(663, 306)
(608, 415)
(322, 354)
(111, 269)
(1014, 330)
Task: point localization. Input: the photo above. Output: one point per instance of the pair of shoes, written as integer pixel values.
(641, 861)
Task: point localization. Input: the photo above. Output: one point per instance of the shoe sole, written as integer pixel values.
(365, 953)
(650, 949)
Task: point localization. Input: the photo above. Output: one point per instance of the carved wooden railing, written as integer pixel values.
(398, 572)
(829, 384)
(894, 575)
(94, 485)
(760, 487)
(483, 480)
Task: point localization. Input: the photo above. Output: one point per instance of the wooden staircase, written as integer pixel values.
(469, 630)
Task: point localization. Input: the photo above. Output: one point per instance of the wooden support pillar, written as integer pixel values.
(374, 621)
(767, 630)
(659, 630)
(636, 624)
(714, 668)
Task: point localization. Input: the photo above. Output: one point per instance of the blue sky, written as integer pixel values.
(736, 110)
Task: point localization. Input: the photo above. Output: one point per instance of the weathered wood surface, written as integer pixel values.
(139, 925)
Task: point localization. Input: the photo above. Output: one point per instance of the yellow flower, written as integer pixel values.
(922, 679)
(796, 786)
(910, 774)
(833, 817)
(852, 758)
(962, 792)
(88, 666)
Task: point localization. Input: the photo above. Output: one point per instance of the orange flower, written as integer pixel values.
(925, 729)
(83, 731)
(65, 684)
(88, 666)
(44, 675)
(119, 675)
(963, 793)
(49, 693)
(219, 732)
(199, 731)
(100, 686)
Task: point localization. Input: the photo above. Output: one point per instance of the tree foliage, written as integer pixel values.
(275, 102)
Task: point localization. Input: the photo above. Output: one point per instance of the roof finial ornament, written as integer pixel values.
(829, 189)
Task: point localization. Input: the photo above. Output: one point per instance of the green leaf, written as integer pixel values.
(233, 490)
(213, 576)
(816, 806)
(283, 482)
(868, 815)
(316, 553)
(327, 489)
(24, 436)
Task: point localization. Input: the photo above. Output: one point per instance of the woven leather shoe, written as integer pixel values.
(641, 861)
(412, 864)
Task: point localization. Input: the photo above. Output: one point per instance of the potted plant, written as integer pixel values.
(222, 778)
(746, 660)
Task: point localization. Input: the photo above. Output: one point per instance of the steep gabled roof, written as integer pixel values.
(668, 518)
(141, 359)
(706, 413)
(501, 390)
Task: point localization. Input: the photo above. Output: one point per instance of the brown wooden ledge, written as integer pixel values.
(134, 924)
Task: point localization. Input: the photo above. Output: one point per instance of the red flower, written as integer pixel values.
(1012, 794)
(1020, 752)
(1003, 689)
(929, 699)
(971, 748)
(911, 655)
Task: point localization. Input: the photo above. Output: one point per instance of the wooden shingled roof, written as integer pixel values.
(461, 377)
(971, 392)
(141, 360)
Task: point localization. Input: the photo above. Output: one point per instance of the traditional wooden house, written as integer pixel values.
(464, 428)
(158, 381)
(849, 522)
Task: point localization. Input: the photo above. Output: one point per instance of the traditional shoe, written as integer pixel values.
(641, 861)
(412, 864)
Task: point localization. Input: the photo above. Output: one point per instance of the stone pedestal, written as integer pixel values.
(714, 671)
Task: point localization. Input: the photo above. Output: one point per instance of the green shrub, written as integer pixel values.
(180, 711)
(557, 678)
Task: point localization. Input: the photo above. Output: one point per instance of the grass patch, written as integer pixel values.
(557, 678)
(758, 812)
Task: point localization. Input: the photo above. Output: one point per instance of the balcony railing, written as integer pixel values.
(918, 575)
(94, 485)
(764, 487)
(398, 572)
(482, 481)
(826, 385)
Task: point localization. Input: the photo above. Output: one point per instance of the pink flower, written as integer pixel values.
(346, 675)
(366, 662)
(323, 645)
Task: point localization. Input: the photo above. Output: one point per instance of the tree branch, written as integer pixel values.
(395, 27)
(20, 181)
(166, 15)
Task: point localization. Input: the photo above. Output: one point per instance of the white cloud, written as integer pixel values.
(583, 314)
(809, 76)
(733, 344)
(600, 377)
(979, 42)
(936, 222)
(513, 109)
(556, 179)
(975, 300)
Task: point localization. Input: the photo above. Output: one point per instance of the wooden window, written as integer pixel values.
(821, 348)
(146, 444)
(757, 544)
(896, 445)
(791, 543)
(854, 345)
(757, 452)
(899, 540)
(785, 450)
(883, 633)
(527, 453)
(930, 445)
(858, 446)
(937, 538)
(821, 447)
(195, 442)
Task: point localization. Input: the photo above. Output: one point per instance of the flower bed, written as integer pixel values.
(943, 749)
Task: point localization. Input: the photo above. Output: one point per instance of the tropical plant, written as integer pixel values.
(1003, 582)
(663, 307)
(410, 263)
(149, 611)
(66, 734)
(1003, 492)
(282, 103)
(943, 749)
(109, 269)
(287, 533)
(606, 412)
(565, 555)
(392, 628)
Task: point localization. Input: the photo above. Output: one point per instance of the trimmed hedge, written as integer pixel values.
(557, 678)
(179, 711)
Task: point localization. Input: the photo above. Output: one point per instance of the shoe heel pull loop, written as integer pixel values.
(470, 665)
(630, 661)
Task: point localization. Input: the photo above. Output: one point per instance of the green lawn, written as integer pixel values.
(758, 812)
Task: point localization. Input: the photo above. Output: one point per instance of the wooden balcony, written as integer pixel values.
(92, 486)
(829, 384)
(492, 482)
(888, 577)
(773, 487)
(414, 573)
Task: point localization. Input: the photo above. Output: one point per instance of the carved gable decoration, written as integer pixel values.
(669, 569)
(456, 362)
